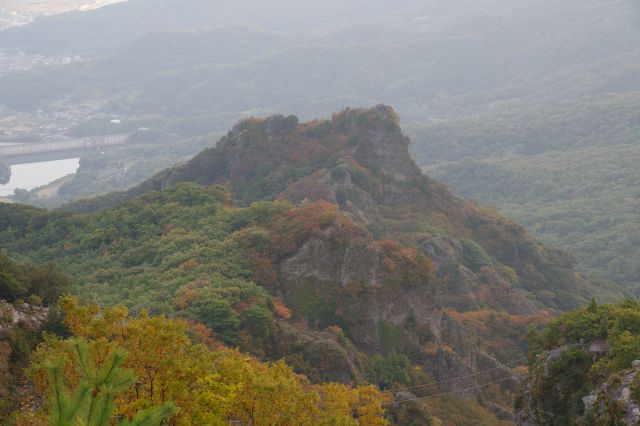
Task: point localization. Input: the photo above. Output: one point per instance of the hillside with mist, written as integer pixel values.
(323, 244)
(496, 82)
(440, 262)
(421, 53)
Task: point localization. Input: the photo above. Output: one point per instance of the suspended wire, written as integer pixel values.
(455, 378)
(451, 392)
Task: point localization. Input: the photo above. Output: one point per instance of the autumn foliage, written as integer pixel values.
(405, 265)
(207, 387)
(299, 225)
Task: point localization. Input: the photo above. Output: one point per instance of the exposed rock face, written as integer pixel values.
(444, 251)
(528, 410)
(331, 361)
(589, 401)
(351, 274)
(628, 410)
(408, 410)
(609, 403)
(355, 277)
(32, 317)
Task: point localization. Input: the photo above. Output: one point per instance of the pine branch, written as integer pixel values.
(153, 416)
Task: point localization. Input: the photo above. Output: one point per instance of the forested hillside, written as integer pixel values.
(336, 271)
(222, 56)
(62, 362)
(156, 370)
(569, 175)
(541, 95)
(584, 369)
(321, 243)
(22, 324)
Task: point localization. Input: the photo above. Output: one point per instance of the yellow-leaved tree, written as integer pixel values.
(206, 387)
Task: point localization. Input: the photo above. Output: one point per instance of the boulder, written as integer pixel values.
(589, 402)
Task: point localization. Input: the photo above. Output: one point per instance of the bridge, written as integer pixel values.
(41, 151)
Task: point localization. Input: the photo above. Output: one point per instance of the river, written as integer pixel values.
(33, 175)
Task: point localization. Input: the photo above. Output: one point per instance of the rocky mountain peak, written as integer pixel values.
(381, 146)
(373, 138)
(359, 161)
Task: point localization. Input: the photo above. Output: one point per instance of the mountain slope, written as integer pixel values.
(546, 76)
(360, 161)
(568, 175)
(340, 227)
(457, 37)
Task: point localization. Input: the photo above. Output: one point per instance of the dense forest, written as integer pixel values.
(469, 268)
(91, 364)
(568, 175)
(318, 243)
(153, 370)
(535, 129)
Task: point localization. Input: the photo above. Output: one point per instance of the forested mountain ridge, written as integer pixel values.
(117, 25)
(455, 38)
(547, 77)
(360, 161)
(321, 243)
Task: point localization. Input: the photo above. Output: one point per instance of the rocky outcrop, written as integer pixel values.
(443, 250)
(360, 161)
(322, 356)
(28, 316)
(615, 401)
(348, 277)
(344, 281)
(408, 409)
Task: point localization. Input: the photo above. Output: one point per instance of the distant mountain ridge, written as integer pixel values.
(480, 79)
(18, 13)
(36, 7)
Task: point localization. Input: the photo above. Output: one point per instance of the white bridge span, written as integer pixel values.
(58, 146)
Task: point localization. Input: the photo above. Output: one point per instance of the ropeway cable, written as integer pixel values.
(386, 404)
(455, 378)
